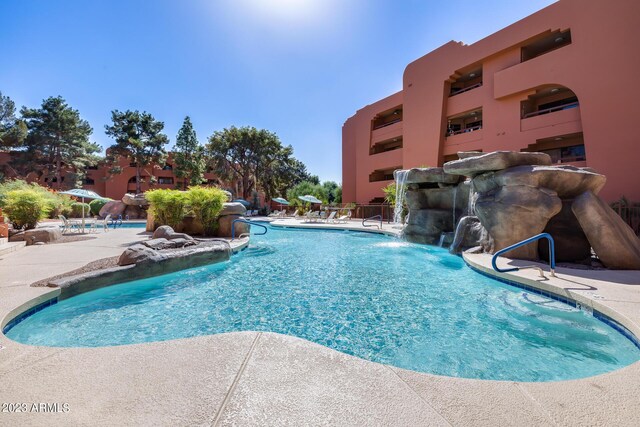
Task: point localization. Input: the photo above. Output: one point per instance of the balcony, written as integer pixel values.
(387, 118)
(550, 107)
(383, 174)
(563, 149)
(464, 127)
(387, 145)
(466, 81)
(545, 44)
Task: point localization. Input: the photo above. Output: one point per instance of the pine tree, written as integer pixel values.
(189, 155)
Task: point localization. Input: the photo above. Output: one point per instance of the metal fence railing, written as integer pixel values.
(630, 213)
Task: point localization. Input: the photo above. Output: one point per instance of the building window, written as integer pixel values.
(89, 181)
(387, 118)
(92, 168)
(545, 44)
(163, 180)
(133, 165)
(167, 167)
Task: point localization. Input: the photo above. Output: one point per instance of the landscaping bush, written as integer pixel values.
(97, 204)
(206, 203)
(25, 207)
(57, 204)
(76, 210)
(167, 206)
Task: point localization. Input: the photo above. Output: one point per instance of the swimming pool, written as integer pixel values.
(379, 298)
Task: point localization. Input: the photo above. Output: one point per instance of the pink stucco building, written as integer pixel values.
(559, 81)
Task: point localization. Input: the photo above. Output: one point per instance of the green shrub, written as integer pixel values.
(97, 204)
(167, 206)
(206, 203)
(76, 210)
(57, 204)
(25, 208)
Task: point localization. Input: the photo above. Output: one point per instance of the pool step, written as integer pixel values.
(8, 247)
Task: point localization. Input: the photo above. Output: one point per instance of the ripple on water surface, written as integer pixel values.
(411, 306)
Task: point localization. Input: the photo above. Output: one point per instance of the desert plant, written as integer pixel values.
(206, 203)
(167, 206)
(25, 208)
(97, 204)
(76, 210)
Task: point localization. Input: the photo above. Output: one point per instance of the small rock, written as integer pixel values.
(135, 254)
(163, 232)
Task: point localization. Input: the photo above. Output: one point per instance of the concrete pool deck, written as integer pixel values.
(252, 378)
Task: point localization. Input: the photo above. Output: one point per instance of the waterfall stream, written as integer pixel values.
(401, 178)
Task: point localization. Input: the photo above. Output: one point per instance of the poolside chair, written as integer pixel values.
(331, 217)
(343, 218)
(296, 215)
(68, 225)
(274, 213)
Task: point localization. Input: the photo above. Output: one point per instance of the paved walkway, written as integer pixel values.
(252, 378)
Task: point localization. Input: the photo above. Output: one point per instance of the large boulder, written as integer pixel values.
(234, 208)
(514, 213)
(494, 161)
(454, 197)
(467, 154)
(134, 212)
(571, 243)
(567, 181)
(155, 262)
(135, 200)
(113, 208)
(426, 225)
(612, 239)
(42, 235)
(225, 225)
(431, 175)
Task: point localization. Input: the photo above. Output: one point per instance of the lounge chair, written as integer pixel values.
(312, 216)
(68, 225)
(343, 218)
(331, 217)
(275, 213)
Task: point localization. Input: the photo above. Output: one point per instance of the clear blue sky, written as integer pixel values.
(297, 67)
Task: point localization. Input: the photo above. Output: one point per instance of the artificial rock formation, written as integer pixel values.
(170, 260)
(114, 208)
(435, 199)
(612, 239)
(230, 212)
(513, 196)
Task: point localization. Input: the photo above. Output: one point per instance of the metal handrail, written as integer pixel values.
(233, 227)
(464, 89)
(552, 255)
(117, 222)
(373, 217)
(552, 109)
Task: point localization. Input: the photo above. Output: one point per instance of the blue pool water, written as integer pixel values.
(382, 299)
(126, 224)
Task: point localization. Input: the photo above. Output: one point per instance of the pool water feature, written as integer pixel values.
(372, 296)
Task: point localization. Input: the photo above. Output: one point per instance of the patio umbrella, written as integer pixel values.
(83, 194)
(309, 198)
(280, 201)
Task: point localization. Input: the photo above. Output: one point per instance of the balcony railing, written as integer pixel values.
(456, 91)
(551, 110)
(387, 124)
(465, 130)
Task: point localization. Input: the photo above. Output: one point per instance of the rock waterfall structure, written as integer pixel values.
(493, 200)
